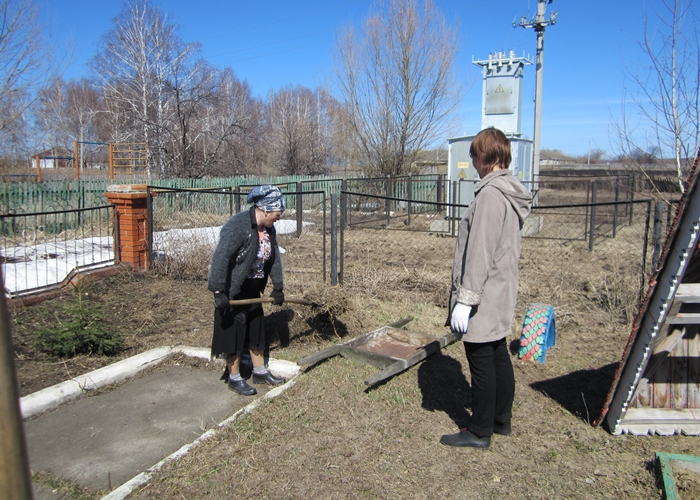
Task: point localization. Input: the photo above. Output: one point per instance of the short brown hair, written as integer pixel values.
(492, 148)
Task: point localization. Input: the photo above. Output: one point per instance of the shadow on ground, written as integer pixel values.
(582, 392)
(444, 387)
(279, 325)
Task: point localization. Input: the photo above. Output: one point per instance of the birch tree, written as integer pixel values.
(66, 112)
(27, 66)
(397, 81)
(662, 114)
(136, 58)
(299, 132)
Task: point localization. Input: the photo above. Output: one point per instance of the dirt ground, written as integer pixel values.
(330, 437)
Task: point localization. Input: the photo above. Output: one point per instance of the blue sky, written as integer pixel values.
(275, 43)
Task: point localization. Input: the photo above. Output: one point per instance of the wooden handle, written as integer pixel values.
(401, 322)
(263, 300)
(320, 356)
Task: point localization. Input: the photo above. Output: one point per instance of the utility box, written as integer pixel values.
(461, 169)
(502, 99)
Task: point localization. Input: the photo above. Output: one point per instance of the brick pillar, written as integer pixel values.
(130, 201)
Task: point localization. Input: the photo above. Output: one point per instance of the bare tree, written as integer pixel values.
(15, 145)
(26, 68)
(188, 94)
(137, 57)
(66, 112)
(398, 83)
(234, 128)
(299, 132)
(663, 114)
(210, 123)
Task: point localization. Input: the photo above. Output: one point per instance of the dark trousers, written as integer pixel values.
(493, 385)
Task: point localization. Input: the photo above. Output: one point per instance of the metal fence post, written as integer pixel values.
(388, 200)
(617, 198)
(656, 238)
(343, 207)
(149, 217)
(117, 242)
(410, 197)
(631, 198)
(334, 239)
(238, 199)
(324, 236)
(453, 208)
(591, 234)
(585, 220)
(299, 207)
(645, 251)
(344, 213)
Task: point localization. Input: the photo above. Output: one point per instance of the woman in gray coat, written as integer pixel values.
(485, 287)
(246, 255)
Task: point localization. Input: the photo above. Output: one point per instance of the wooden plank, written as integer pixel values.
(643, 396)
(335, 350)
(693, 367)
(684, 319)
(662, 347)
(319, 356)
(370, 358)
(661, 414)
(668, 343)
(393, 369)
(679, 373)
(670, 489)
(402, 365)
(661, 384)
(688, 293)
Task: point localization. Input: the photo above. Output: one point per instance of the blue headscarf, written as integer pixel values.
(267, 198)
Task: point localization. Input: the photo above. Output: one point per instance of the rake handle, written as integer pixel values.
(263, 300)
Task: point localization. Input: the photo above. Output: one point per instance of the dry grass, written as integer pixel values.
(331, 437)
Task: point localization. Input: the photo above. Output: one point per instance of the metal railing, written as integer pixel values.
(607, 241)
(184, 226)
(40, 250)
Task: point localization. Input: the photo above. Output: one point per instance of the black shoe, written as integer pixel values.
(465, 438)
(502, 429)
(241, 387)
(267, 378)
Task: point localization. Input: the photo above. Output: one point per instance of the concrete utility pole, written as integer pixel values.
(539, 23)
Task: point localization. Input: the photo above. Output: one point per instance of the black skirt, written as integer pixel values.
(239, 328)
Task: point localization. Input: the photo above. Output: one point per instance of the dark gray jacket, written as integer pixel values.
(235, 255)
(485, 266)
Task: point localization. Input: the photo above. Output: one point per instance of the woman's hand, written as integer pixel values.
(460, 318)
(278, 295)
(221, 300)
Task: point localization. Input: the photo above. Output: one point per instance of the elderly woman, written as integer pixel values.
(485, 287)
(246, 255)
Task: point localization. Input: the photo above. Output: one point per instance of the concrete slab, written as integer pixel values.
(109, 438)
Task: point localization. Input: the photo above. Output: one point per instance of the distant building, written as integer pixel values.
(54, 158)
(549, 158)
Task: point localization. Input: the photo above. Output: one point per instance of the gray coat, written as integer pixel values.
(236, 252)
(487, 251)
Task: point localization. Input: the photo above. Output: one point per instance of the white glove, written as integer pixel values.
(460, 318)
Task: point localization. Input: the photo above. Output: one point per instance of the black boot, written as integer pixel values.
(465, 438)
(502, 429)
(241, 387)
(267, 378)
